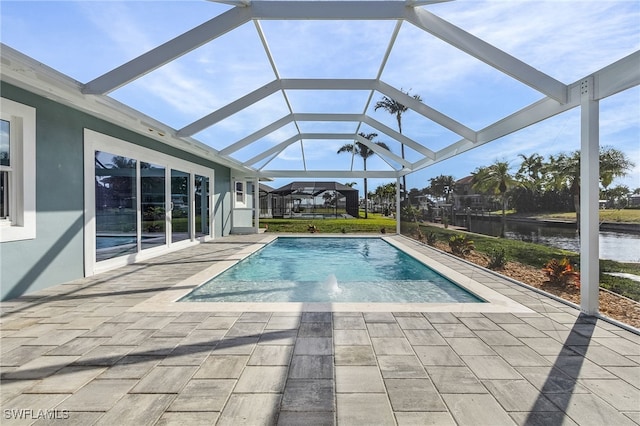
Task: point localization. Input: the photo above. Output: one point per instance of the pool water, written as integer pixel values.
(330, 270)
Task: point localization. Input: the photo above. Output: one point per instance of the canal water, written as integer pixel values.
(619, 246)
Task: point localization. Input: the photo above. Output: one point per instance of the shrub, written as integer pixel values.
(460, 245)
(561, 273)
(497, 258)
(431, 238)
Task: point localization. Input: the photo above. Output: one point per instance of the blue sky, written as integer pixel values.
(565, 39)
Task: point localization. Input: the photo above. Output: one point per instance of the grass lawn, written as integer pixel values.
(374, 224)
(538, 255)
(609, 215)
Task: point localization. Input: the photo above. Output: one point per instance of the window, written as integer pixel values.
(5, 169)
(17, 171)
(240, 193)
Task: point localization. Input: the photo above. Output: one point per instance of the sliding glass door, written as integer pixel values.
(202, 215)
(115, 208)
(140, 203)
(180, 203)
(153, 205)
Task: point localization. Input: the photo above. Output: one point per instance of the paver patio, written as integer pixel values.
(82, 353)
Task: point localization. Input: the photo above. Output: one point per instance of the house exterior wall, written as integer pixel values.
(56, 255)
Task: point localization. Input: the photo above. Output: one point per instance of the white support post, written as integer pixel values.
(256, 205)
(589, 195)
(398, 180)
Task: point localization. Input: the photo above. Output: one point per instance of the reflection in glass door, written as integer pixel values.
(202, 205)
(153, 205)
(179, 206)
(115, 196)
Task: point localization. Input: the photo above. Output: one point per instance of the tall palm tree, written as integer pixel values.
(495, 179)
(365, 152)
(394, 107)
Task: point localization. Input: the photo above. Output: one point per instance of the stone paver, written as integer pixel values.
(83, 348)
(474, 409)
(311, 367)
(413, 395)
(203, 395)
(309, 395)
(358, 379)
(250, 409)
(364, 409)
(99, 395)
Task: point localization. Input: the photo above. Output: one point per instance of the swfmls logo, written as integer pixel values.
(30, 414)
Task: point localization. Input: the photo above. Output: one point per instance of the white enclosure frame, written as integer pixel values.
(558, 97)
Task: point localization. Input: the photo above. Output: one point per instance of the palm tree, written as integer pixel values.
(385, 194)
(394, 107)
(495, 179)
(441, 186)
(566, 171)
(360, 149)
(530, 170)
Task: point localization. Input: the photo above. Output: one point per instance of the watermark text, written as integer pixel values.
(31, 414)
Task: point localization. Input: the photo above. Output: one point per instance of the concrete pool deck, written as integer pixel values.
(115, 349)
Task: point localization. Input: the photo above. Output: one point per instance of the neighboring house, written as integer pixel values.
(633, 200)
(464, 196)
(266, 201)
(305, 199)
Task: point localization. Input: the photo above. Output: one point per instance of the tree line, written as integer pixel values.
(540, 184)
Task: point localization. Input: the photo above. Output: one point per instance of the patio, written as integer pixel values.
(83, 353)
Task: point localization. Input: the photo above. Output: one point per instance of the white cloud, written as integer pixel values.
(567, 39)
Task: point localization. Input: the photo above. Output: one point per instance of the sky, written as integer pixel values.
(564, 39)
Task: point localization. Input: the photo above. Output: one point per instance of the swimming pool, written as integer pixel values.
(329, 269)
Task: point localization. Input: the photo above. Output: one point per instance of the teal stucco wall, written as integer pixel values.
(56, 255)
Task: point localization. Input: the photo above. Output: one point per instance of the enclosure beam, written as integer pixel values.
(345, 10)
(257, 135)
(256, 205)
(330, 174)
(426, 111)
(399, 137)
(168, 51)
(589, 194)
(488, 54)
(385, 154)
(230, 109)
(398, 205)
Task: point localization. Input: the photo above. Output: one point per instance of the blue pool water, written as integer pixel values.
(330, 270)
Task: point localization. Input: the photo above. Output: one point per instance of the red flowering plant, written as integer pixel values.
(561, 273)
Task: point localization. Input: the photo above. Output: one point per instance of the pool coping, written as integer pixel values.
(167, 301)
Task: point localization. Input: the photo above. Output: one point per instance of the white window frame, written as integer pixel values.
(240, 203)
(94, 141)
(21, 224)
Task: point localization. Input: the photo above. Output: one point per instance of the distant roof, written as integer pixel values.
(312, 188)
(464, 180)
